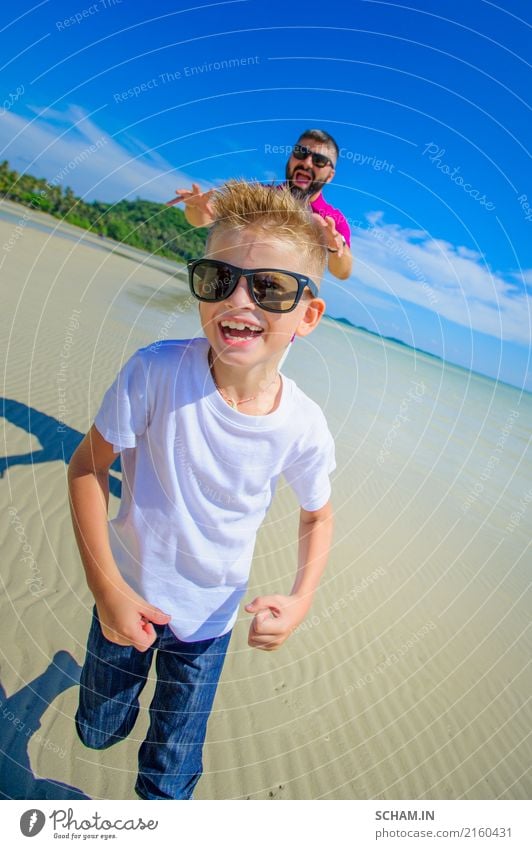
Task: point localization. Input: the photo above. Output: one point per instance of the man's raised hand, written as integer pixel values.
(335, 240)
(198, 207)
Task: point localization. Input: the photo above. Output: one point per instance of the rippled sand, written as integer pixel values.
(411, 677)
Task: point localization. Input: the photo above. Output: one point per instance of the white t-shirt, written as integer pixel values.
(198, 478)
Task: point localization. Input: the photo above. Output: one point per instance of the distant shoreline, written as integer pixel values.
(400, 344)
(173, 268)
(59, 227)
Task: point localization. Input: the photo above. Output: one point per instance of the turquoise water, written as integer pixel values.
(426, 452)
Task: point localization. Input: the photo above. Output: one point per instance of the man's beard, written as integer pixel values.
(300, 193)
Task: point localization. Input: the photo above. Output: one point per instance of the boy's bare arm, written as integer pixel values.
(125, 617)
(277, 616)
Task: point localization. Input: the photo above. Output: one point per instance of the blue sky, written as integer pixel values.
(428, 102)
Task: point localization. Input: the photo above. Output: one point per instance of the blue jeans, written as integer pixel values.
(112, 680)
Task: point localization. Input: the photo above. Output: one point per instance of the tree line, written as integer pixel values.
(142, 224)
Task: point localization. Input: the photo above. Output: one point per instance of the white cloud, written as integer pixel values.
(60, 145)
(525, 276)
(452, 281)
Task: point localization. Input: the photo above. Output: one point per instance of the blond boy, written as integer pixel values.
(205, 428)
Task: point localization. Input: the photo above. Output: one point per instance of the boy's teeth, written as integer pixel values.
(238, 325)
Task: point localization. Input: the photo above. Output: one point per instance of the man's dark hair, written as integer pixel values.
(322, 137)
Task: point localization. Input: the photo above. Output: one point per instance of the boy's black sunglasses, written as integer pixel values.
(272, 289)
(318, 159)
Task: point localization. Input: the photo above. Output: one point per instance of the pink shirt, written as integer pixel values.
(323, 208)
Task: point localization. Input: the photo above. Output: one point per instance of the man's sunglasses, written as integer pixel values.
(318, 159)
(272, 289)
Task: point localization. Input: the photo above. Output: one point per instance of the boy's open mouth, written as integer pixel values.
(239, 330)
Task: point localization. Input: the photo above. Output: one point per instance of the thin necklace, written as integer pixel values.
(231, 401)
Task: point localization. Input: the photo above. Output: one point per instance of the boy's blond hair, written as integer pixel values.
(240, 205)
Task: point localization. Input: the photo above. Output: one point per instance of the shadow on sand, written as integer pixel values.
(58, 440)
(20, 720)
(20, 714)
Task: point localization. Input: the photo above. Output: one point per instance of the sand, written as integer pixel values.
(411, 677)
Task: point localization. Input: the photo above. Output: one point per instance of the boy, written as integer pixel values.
(205, 427)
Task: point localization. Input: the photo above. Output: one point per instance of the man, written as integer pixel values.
(310, 167)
